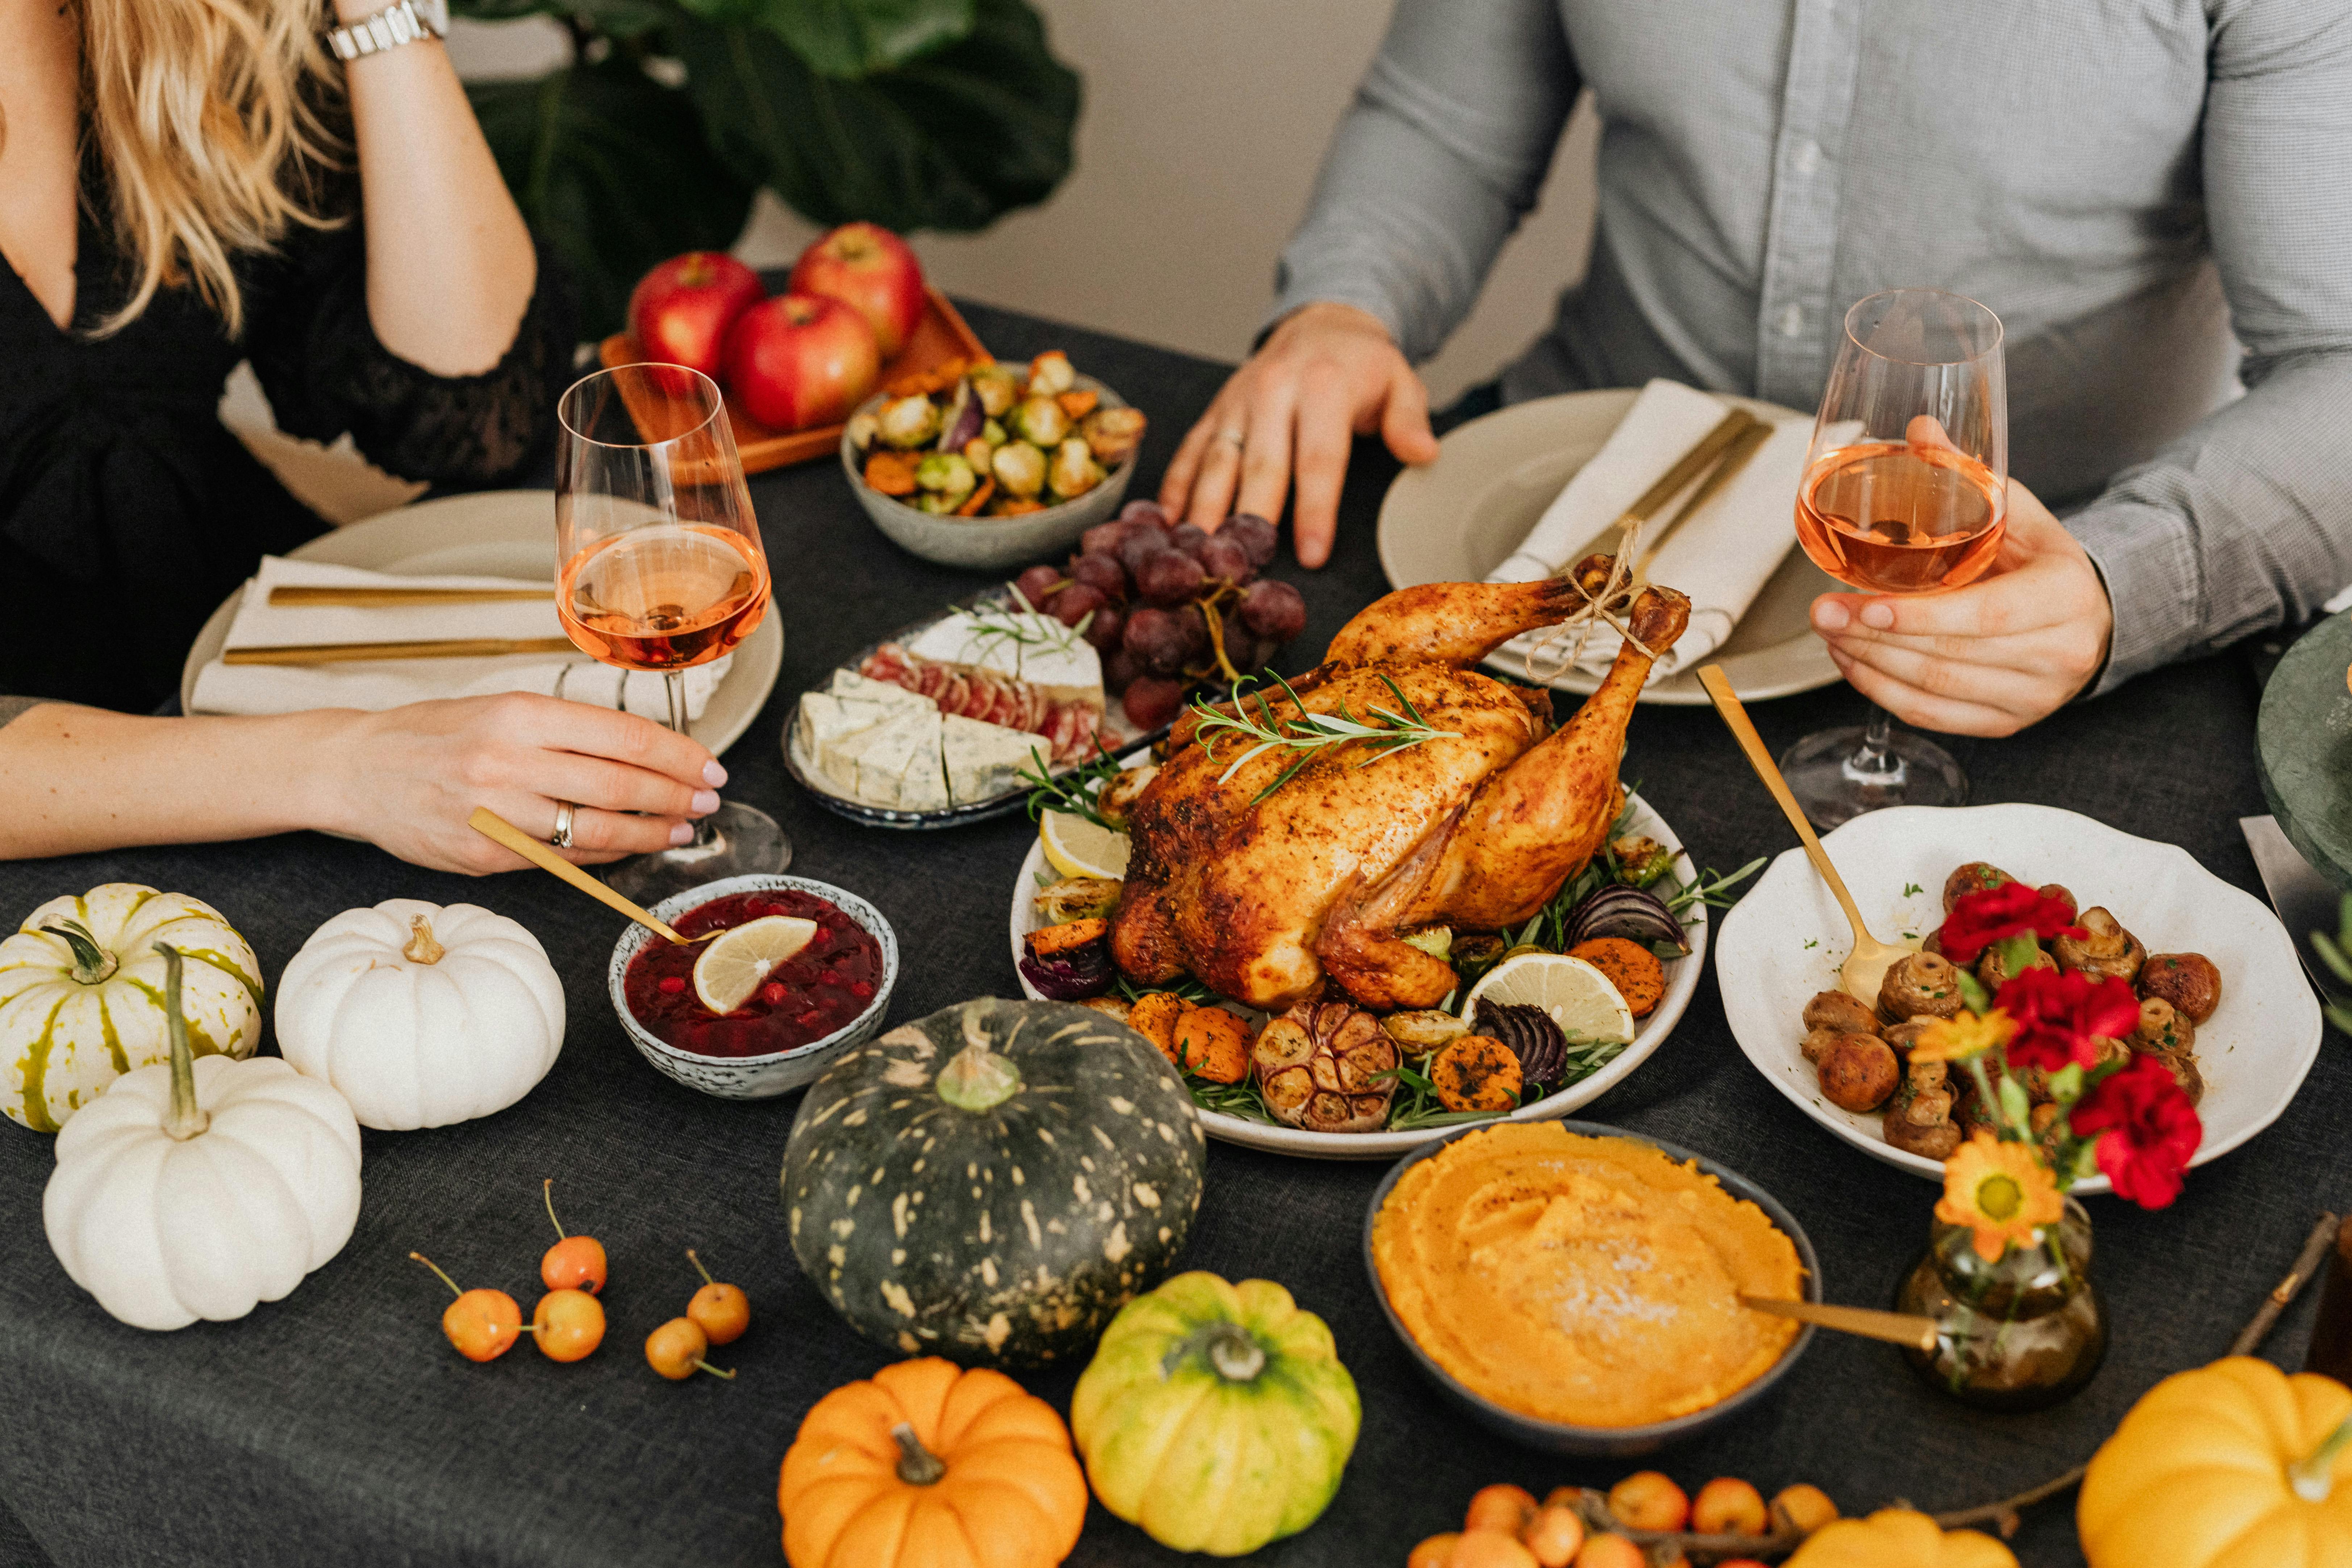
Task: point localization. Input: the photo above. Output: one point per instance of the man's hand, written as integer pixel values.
(1990, 658)
(1327, 374)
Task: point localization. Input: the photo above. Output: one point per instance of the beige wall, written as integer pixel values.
(1202, 125)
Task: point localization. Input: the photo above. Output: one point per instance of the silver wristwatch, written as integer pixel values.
(402, 22)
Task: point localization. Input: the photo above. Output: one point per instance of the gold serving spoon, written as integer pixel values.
(491, 825)
(1864, 970)
(1894, 1328)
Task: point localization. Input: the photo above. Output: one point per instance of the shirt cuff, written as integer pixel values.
(1362, 294)
(2142, 558)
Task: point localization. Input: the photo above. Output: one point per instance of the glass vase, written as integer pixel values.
(2020, 1332)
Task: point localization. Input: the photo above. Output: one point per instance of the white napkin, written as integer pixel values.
(377, 684)
(1721, 556)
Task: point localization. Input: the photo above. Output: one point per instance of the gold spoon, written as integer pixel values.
(1894, 1328)
(1864, 970)
(491, 825)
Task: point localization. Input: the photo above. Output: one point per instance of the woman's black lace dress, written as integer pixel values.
(128, 512)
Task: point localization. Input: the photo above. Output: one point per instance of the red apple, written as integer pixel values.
(800, 360)
(870, 270)
(679, 313)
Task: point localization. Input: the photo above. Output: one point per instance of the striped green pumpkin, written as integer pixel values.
(994, 1182)
(81, 996)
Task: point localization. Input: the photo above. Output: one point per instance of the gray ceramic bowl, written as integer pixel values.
(755, 1077)
(1609, 1442)
(991, 543)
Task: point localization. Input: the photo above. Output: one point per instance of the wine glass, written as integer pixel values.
(659, 568)
(1905, 491)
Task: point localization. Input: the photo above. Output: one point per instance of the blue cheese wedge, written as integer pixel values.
(878, 765)
(983, 760)
(848, 683)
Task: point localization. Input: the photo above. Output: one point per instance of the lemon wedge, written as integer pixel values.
(738, 962)
(1077, 847)
(1578, 997)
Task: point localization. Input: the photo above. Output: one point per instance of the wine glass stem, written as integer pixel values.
(1874, 760)
(674, 688)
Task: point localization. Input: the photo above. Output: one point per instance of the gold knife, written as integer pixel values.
(377, 598)
(447, 647)
(1707, 454)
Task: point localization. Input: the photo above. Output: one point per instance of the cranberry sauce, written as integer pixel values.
(817, 991)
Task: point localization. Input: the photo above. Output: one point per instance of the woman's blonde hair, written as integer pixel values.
(213, 118)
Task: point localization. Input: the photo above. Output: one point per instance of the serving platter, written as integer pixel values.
(1118, 736)
(497, 533)
(1784, 941)
(1681, 981)
(1456, 520)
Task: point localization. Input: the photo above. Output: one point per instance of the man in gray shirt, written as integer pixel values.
(2122, 182)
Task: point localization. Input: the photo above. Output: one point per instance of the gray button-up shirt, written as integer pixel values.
(2123, 180)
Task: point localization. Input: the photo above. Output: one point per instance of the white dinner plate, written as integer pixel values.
(1682, 980)
(497, 533)
(1457, 519)
(1785, 940)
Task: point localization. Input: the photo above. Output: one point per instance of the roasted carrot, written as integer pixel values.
(892, 473)
(1634, 969)
(1214, 1044)
(1077, 404)
(977, 498)
(1476, 1072)
(1155, 1018)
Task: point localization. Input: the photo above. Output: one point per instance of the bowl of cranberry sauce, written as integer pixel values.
(831, 994)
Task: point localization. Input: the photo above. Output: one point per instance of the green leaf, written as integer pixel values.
(952, 141)
(611, 167)
(2017, 953)
(849, 39)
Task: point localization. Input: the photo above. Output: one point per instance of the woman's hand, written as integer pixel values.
(409, 777)
(2004, 652)
(1328, 372)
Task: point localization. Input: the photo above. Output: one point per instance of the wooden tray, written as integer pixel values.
(942, 335)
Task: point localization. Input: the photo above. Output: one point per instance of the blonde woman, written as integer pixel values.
(187, 184)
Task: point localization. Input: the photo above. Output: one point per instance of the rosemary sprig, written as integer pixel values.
(1383, 730)
(1072, 792)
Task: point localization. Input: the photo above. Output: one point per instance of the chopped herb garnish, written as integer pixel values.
(1911, 889)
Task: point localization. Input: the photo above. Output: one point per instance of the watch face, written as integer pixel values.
(434, 14)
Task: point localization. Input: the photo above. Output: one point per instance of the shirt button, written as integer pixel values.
(1792, 321)
(1809, 156)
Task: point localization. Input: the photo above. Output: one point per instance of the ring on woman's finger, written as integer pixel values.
(562, 836)
(1232, 438)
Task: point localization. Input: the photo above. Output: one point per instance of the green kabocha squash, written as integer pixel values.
(993, 1181)
(1215, 1416)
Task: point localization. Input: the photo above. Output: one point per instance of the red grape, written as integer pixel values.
(1145, 510)
(1119, 669)
(1104, 630)
(1158, 640)
(1223, 557)
(1076, 603)
(1153, 701)
(1273, 610)
(1140, 546)
(1253, 533)
(1169, 578)
(1188, 538)
(1245, 649)
(1101, 572)
(1102, 539)
(1037, 583)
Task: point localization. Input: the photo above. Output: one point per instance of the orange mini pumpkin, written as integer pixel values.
(929, 1466)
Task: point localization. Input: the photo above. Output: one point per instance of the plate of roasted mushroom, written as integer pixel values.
(1386, 898)
(2223, 1002)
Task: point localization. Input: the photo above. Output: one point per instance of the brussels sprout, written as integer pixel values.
(1118, 797)
(909, 422)
(861, 432)
(993, 433)
(948, 473)
(1019, 467)
(1075, 471)
(977, 451)
(1437, 940)
(1640, 861)
(1077, 898)
(997, 388)
(937, 502)
(1113, 433)
(1050, 373)
(1040, 421)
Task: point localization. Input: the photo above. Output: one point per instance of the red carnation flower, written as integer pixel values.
(1981, 919)
(2059, 1016)
(2150, 1131)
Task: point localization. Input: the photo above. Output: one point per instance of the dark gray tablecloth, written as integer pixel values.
(337, 1426)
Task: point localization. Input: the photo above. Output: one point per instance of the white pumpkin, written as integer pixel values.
(81, 996)
(202, 1187)
(422, 1015)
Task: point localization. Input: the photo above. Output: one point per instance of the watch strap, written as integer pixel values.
(397, 24)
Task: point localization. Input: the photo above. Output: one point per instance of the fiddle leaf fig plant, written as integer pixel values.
(913, 114)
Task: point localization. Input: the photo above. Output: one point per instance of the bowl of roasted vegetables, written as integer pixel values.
(986, 465)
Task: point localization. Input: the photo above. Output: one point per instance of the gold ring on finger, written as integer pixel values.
(562, 836)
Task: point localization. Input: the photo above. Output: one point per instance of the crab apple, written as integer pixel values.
(1729, 1506)
(1500, 1507)
(1648, 1500)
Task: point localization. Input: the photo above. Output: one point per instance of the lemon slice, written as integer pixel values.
(735, 964)
(1578, 997)
(1077, 847)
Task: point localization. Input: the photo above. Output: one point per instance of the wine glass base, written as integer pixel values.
(1836, 778)
(740, 840)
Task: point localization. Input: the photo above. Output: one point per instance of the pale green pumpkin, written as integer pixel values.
(81, 996)
(1215, 1416)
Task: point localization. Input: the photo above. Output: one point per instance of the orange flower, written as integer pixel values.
(1962, 1036)
(1998, 1189)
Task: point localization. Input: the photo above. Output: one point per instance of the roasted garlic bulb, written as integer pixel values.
(1325, 1066)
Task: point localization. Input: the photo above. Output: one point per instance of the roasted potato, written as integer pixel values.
(2186, 980)
(1925, 985)
(1859, 1072)
(2105, 952)
(1836, 1010)
(1973, 878)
